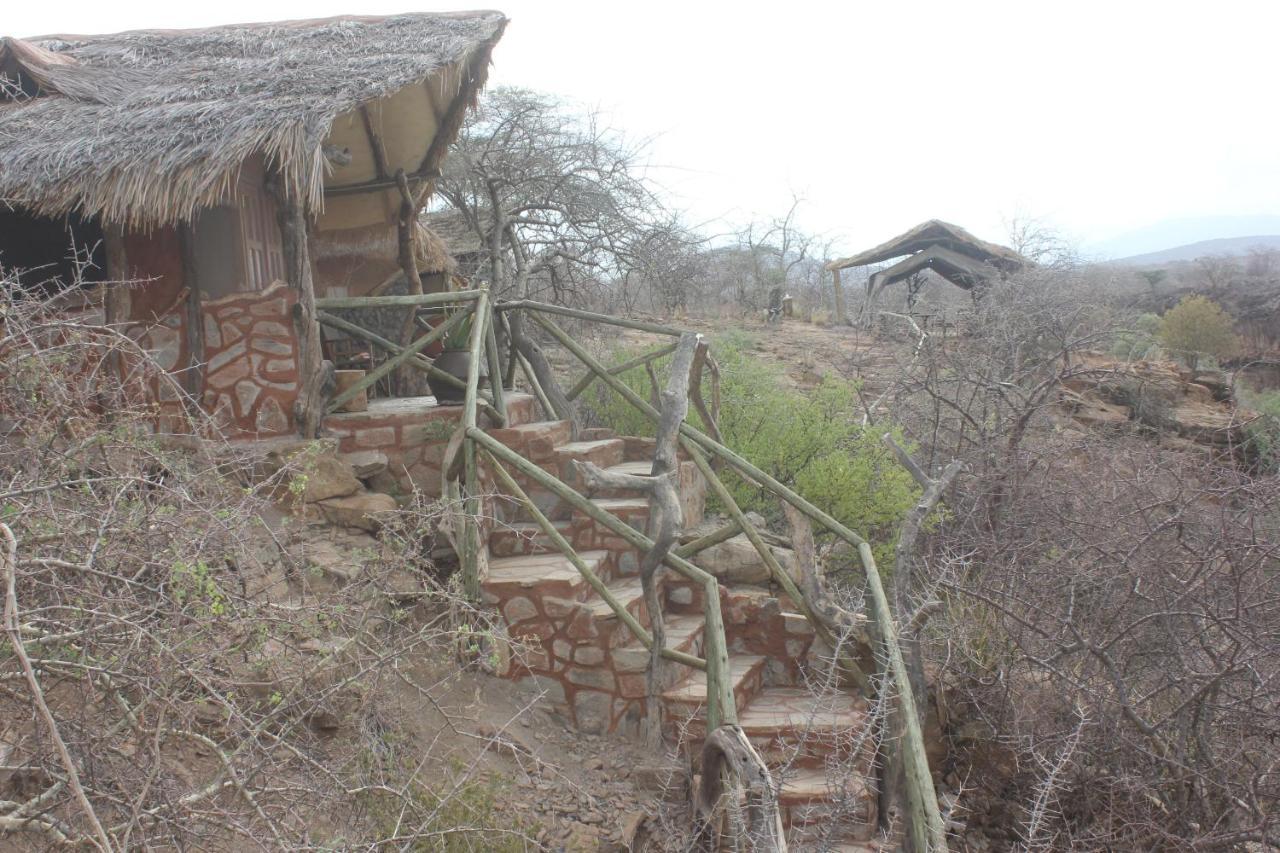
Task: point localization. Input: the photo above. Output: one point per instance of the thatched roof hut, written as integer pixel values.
(946, 249)
(958, 250)
(147, 127)
(214, 164)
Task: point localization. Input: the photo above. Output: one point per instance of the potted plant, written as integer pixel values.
(455, 360)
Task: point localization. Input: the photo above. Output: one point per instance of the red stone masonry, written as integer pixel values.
(251, 361)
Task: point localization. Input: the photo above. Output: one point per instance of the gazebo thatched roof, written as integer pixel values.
(146, 127)
(936, 233)
(453, 228)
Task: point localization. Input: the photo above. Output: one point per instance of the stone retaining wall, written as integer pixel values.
(251, 361)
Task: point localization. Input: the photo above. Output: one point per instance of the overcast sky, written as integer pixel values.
(1099, 117)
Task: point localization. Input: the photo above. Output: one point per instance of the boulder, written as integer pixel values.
(366, 463)
(737, 561)
(325, 477)
(359, 510)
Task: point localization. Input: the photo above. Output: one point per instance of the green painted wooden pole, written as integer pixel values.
(557, 539)
(585, 382)
(721, 706)
(415, 300)
(495, 368)
(638, 325)
(395, 361)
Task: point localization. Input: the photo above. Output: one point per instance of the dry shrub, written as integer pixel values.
(175, 672)
(1112, 631)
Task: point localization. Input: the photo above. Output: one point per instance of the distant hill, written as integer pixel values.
(1223, 246)
(1159, 236)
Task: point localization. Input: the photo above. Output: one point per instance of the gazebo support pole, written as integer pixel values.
(837, 289)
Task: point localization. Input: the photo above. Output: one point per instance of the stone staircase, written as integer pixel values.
(570, 644)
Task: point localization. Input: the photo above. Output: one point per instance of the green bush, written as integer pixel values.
(813, 442)
(1264, 433)
(1140, 340)
(1196, 328)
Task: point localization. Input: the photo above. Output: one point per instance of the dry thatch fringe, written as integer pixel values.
(146, 127)
(432, 253)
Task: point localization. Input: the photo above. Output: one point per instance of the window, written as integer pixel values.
(263, 255)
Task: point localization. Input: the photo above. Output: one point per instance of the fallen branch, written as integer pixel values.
(9, 566)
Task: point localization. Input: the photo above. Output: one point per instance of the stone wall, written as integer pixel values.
(251, 355)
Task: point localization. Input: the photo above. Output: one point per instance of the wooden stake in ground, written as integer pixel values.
(728, 749)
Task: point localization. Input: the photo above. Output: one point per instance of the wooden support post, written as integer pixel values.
(115, 293)
(471, 482)
(837, 290)
(495, 367)
(316, 374)
(925, 828)
(195, 317)
(728, 750)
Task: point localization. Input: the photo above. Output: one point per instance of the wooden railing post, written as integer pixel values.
(471, 480)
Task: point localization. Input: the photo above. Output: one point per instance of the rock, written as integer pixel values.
(358, 510)
(324, 476)
(737, 561)
(1159, 396)
(366, 463)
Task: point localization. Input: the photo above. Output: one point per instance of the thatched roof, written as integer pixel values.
(452, 227)
(935, 232)
(432, 253)
(146, 127)
(961, 270)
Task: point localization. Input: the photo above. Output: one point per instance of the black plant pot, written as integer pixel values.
(456, 363)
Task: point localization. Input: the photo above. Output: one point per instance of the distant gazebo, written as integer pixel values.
(947, 249)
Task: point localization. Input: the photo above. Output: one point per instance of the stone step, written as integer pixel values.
(535, 576)
(521, 408)
(684, 634)
(686, 703)
(613, 633)
(825, 804)
(791, 725)
(536, 440)
(632, 510)
(603, 453)
(525, 537)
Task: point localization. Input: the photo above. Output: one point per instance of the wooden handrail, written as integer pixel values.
(406, 300)
(925, 824)
(557, 538)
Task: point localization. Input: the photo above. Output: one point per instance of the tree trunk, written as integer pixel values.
(407, 379)
(315, 373)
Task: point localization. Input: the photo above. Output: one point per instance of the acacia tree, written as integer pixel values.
(1196, 327)
(776, 249)
(559, 200)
